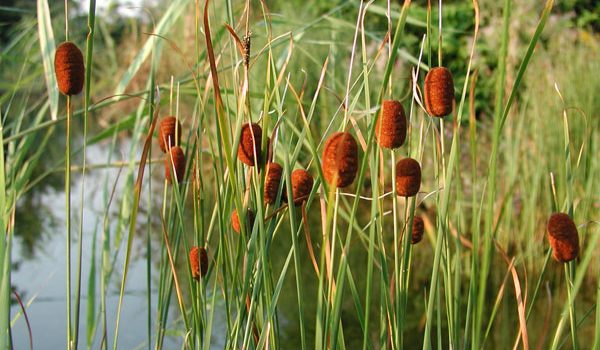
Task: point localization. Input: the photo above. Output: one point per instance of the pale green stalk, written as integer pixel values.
(5, 252)
(68, 218)
(86, 102)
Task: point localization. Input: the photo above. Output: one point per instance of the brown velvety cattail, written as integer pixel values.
(251, 136)
(563, 237)
(272, 182)
(235, 220)
(439, 92)
(302, 184)
(340, 159)
(198, 262)
(408, 177)
(177, 166)
(390, 129)
(69, 69)
(417, 230)
(166, 133)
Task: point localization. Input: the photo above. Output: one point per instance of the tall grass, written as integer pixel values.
(485, 197)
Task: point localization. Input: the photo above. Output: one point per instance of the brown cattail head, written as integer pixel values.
(417, 230)
(235, 220)
(302, 184)
(166, 133)
(249, 146)
(340, 159)
(177, 165)
(69, 69)
(439, 92)
(198, 262)
(272, 182)
(563, 237)
(408, 177)
(390, 129)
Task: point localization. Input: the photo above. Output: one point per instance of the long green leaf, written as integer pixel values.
(47, 47)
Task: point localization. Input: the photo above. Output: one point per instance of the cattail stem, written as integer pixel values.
(66, 20)
(538, 284)
(570, 276)
(68, 216)
(440, 34)
(406, 237)
(428, 34)
(396, 281)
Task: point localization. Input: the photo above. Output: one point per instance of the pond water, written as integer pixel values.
(39, 262)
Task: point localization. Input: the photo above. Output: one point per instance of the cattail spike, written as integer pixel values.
(340, 159)
(390, 129)
(272, 182)
(235, 220)
(175, 162)
(198, 262)
(417, 230)
(408, 177)
(249, 148)
(439, 92)
(563, 237)
(302, 184)
(166, 133)
(69, 68)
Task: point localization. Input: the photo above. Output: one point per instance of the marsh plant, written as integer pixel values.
(311, 175)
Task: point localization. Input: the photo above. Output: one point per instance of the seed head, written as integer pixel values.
(251, 136)
(418, 229)
(175, 163)
(563, 237)
(408, 177)
(340, 159)
(390, 129)
(166, 133)
(235, 220)
(439, 92)
(272, 182)
(302, 184)
(198, 262)
(69, 69)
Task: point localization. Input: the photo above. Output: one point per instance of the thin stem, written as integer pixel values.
(68, 217)
(440, 34)
(569, 276)
(66, 20)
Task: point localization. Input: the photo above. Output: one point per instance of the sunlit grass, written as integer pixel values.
(487, 189)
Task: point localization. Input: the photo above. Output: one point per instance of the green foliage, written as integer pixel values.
(490, 180)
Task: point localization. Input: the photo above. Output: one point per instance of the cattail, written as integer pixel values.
(198, 262)
(340, 159)
(177, 165)
(69, 69)
(235, 220)
(563, 237)
(166, 133)
(408, 177)
(249, 146)
(390, 129)
(302, 184)
(417, 230)
(439, 92)
(272, 182)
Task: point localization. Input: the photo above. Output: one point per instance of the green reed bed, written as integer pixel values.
(338, 268)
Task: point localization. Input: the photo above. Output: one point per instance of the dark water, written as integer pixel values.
(39, 261)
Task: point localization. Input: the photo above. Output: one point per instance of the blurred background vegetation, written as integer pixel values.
(567, 55)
